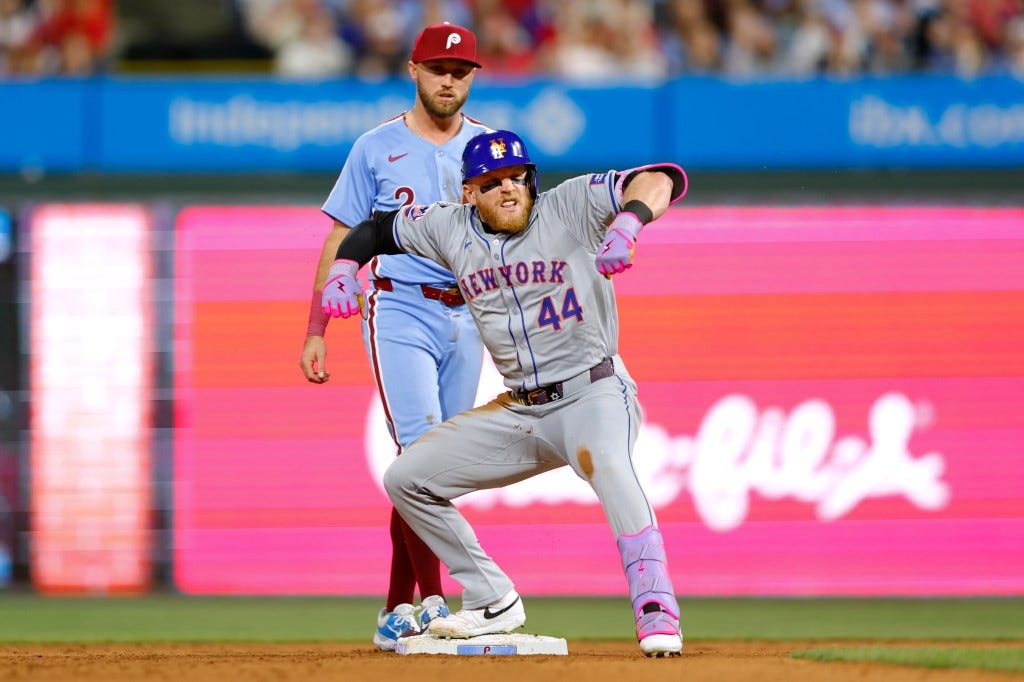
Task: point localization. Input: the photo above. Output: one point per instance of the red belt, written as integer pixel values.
(451, 296)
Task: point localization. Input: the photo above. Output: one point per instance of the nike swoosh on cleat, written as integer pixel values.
(488, 614)
(392, 159)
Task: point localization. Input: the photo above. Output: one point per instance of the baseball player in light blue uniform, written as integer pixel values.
(423, 345)
(535, 270)
(424, 349)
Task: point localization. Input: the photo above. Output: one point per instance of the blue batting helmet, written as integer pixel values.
(490, 151)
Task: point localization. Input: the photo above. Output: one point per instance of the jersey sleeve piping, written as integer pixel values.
(616, 207)
(396, 235)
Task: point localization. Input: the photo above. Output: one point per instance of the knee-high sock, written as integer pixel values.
(425, 564)
(402, 584)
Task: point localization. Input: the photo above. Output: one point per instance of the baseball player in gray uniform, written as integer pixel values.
(535, 270)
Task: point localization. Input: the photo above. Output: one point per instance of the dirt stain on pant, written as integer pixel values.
(586, 461)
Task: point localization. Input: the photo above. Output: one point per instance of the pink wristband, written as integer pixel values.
(317, 317)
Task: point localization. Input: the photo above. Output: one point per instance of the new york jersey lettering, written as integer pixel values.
(509, 276)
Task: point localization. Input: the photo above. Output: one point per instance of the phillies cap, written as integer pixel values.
(445, 41)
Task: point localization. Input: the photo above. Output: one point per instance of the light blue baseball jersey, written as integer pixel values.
(425, 355)
(390, 167)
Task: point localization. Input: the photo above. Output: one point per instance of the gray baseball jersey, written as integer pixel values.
(543, 310)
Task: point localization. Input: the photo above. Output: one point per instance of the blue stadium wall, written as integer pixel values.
(262, 125)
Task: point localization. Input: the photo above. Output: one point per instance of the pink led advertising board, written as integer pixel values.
(833, 401)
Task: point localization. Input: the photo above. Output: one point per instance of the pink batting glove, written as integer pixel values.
(616, 252)
(342, 296)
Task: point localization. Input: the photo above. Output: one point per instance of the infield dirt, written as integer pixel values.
(712, 661)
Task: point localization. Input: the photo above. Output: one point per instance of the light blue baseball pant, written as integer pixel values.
(426, 359)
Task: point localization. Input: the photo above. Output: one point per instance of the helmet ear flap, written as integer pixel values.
(531, 180)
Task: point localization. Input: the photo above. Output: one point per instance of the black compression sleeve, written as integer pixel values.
(638, 208)
(370, 238)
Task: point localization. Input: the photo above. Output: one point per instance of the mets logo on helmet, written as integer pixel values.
(498, 148)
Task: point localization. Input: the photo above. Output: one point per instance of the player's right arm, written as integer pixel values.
(314, 350)
(342, 295)
(329, 253)
(369, 238)
(416, 229)
(350, 200)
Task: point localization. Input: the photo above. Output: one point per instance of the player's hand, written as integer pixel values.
(615, 254)
(313, 360)
(342, 296)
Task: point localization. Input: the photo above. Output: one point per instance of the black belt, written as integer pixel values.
(552, 392)
(451, 296)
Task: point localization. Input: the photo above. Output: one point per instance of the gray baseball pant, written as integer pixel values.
(592, 430)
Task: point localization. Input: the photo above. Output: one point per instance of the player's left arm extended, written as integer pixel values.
(647, 193)
(342, 295)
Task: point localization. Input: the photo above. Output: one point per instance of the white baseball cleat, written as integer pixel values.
(659, 635)
(662, 645)
(504, 615)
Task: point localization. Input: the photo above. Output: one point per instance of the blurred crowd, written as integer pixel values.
(43, 37)
(590, 40)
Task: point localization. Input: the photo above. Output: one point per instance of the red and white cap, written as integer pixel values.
(445, 41)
